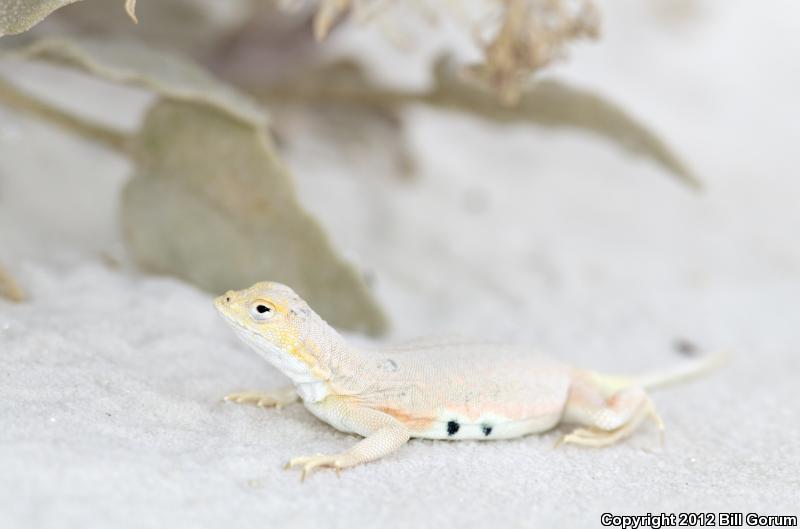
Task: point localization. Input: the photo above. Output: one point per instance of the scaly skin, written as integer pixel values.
(434, 389)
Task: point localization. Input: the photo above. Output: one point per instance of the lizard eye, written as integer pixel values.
(262, 310)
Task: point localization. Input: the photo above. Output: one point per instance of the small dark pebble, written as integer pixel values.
(685, 347)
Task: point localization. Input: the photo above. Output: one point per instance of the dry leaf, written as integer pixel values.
(17, 16)
(328, 13)
(130, 8)
(9, 288)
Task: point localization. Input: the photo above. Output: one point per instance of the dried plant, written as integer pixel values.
(548, 103)
(532, 34)
(518, 37)
(210, 199)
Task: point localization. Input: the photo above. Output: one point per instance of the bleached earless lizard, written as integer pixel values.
(431, 389)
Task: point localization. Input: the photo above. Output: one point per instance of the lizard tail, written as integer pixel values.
(668, 377)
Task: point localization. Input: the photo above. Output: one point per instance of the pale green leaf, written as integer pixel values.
(17, 16)
(133, 63)
(193, 27)
(552, 103)
(211, 203)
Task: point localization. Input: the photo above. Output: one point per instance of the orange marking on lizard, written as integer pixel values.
(414, 422)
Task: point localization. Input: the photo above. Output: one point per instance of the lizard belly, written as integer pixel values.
(500, 403)
(454, 426)
(492, 412)
(463, 392)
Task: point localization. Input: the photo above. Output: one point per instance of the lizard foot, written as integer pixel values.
(263, 399)
(591, 437)
(308, 463)
(597, 437)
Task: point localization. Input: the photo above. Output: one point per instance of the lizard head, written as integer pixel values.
(279, 325)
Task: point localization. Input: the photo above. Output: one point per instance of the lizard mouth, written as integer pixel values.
(228, 317)
(224, 310)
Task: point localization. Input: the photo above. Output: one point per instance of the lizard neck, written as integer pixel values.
(321, 352)
(341, 368)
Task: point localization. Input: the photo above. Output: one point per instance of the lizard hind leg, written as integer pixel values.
(607, 421)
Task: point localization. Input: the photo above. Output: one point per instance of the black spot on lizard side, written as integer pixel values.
(452, 428)
(487, 429)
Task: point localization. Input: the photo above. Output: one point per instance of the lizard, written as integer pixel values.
(437, 388)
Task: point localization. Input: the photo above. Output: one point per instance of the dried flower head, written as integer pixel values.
(531, 35)
(519, 37)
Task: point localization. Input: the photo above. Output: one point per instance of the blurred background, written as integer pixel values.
(613, 183)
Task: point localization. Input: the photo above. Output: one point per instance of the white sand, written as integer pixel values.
(110, 381)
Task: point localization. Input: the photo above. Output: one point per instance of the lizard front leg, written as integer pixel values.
(264, 399)
(383, 434)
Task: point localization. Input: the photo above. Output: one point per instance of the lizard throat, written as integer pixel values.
(308, 379)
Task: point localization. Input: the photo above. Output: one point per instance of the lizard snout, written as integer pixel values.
(224, 299)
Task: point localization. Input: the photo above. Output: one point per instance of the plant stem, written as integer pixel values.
(16, 99)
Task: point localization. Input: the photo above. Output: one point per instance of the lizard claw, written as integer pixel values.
(274, 399)
(307, 464)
